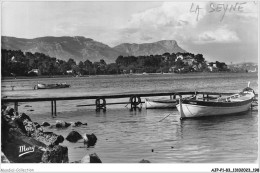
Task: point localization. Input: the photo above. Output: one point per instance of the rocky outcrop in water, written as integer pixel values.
(92, 158)
(74, 136)
(4, 158)
(45, 124)
(24, 141)
(90, 139)
(60, 124)
(144, 161)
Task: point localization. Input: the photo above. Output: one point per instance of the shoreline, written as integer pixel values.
(127, 75)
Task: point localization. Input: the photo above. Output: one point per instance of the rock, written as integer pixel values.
(19, 148)
(55, 154)
(48, 138)
(23, 116)
(94, 158)
(62, 124)
(45, 124)
(144, 161)
(37, 125)
(77, 124)
(27, 106)
(3, 108)
(90, 140)
(73, 136)
(85, 159)
(77, 161)
(4, 159)
(24, 141)
(9, 111)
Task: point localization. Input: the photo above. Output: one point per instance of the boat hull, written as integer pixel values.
(226, 105)
(160, 104)
(190, 111)
(51, 86)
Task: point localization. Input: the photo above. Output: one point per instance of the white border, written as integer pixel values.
(151, 167)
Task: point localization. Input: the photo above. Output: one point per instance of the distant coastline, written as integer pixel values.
(17, 63)
(125, 75)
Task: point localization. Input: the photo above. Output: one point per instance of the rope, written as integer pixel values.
(164, 117)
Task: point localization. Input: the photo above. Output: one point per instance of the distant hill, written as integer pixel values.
(81, 48)
(156, 48)
(78, 48)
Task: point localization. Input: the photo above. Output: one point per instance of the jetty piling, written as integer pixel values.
(135, 101)
(53, 108)
(100, 105)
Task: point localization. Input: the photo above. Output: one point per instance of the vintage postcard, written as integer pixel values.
(133, 86)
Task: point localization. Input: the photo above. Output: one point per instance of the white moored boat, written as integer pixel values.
(237, 103)
(51, 86)
(160, 103)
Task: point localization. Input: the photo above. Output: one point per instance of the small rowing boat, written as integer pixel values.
(51, 86)
(225, 105)
(160, 103)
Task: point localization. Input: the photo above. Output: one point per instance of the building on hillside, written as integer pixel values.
(255, 70)
(212, 68)
(36, 71)
(179, 57)
(188, 61)
(212, 64)
(172, 69)
(69, 71)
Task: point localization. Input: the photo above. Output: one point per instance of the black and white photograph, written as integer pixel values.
(146, 86)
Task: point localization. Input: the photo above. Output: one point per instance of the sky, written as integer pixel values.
(221, 31)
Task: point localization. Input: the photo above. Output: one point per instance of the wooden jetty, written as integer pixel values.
(100, 100)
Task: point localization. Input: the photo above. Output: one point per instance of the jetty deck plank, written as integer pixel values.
(107, 96)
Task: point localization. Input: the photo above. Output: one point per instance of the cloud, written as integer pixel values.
(221, 35)
(198, 31)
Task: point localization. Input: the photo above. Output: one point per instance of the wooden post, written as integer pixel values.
(16, 107)
(55, 109)
(52, 108)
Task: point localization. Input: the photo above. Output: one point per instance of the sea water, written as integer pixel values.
(126, 136)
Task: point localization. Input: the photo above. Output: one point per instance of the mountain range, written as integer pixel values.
(80, 48)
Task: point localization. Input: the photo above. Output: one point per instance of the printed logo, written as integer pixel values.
(25, 150)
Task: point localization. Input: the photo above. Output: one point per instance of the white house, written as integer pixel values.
(179, 57)
(69, 71)
(37, 71)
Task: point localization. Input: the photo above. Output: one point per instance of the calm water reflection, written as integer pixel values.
(129, 136)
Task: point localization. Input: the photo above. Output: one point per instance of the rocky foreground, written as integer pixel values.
(25, 141)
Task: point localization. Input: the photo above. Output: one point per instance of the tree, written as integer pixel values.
(112, 68)
(199, 58)
(70, 63)
(88, 67)
(179, 64)
(102, 66)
